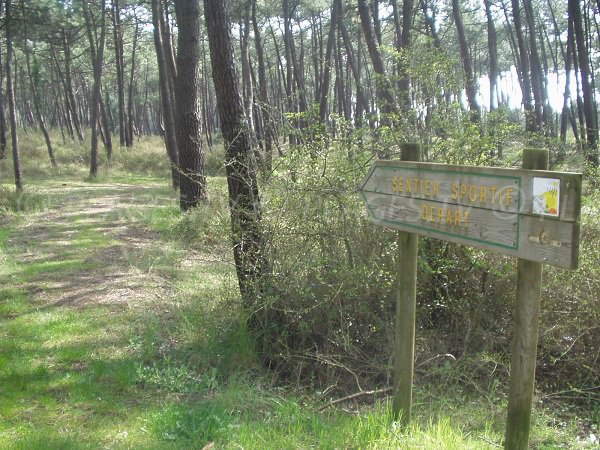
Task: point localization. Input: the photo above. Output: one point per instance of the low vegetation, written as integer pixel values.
(121, 326)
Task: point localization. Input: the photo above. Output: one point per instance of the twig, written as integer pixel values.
(354, 396)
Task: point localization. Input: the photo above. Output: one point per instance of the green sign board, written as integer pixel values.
(529, 214)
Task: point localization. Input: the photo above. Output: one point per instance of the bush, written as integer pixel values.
(330, 287)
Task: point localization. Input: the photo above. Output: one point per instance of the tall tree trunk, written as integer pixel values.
(130, 118)
(12, 108)
(36, 104)
(362, 101)
(376, 21)
(263, 94)
(292, 61)
(589, 108)
(247, 87)
(68, 78)
(402, 45)
(289, 66)
(105, 126)
(324, 91)
(120, 66)
(187, 94)
(564, 116)
(385, 94)
(166, 95)
(492, 41)
(537, 75)
(465, 55)
(97, 51)
(3, 124)
(244, 201)
(430, 21)
(168, 42)
(523, 59)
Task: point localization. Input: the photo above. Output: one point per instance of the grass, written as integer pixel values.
(120, 327)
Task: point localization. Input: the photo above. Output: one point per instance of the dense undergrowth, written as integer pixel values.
(329, 290)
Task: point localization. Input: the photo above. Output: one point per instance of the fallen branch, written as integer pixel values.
(354, 396)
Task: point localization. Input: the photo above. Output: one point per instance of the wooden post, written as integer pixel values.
(404, 346)
(525, 335)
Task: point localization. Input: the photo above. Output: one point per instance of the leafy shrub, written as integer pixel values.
(331, 281)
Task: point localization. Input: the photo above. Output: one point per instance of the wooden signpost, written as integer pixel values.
(530, 213)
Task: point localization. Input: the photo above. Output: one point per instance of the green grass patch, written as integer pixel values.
(178, 370)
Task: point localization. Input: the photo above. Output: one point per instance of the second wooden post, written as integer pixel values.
(525, 335)
(404, 345)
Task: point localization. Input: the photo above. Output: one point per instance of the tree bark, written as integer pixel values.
(589, 108)
(537, 75)
(11, 99)
(402, 46)
(36, 104)
(105, 126)
(385, 94)
(470, 87)
(68, 79)
(362, 101)
(166, 95)
(564, 116)
(324, 91)
(97, 53)
(3, 124)
(188, 106)
(244, 201)
(492, 42)
(120, 66)
(263, 94)
(130, 117)
(524, 72)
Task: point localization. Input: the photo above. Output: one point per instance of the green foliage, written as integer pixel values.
(571, 316)
(329, 291)
(29, 200)
(179, 369)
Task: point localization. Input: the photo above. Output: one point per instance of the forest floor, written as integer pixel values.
(113, 336)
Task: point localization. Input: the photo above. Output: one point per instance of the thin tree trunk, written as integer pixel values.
(3, 124)
(247, 87)
(536, 68)
(591, 153)
(104, 122)
(374, 7)
(262, 89)
(523, 58)
(402, 45)
(385, 94)
(323, 103)
(166, 95)
(69, 89)
(130, 117)
(465, 55)
(11, 99)
(97, 51)
(120, 68)
(169, 42)
(493, 54)
(36, 105)
(430, 21)
(564, 116)
(362, 101)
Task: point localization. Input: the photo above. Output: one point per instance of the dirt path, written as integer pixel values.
(85, 250)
